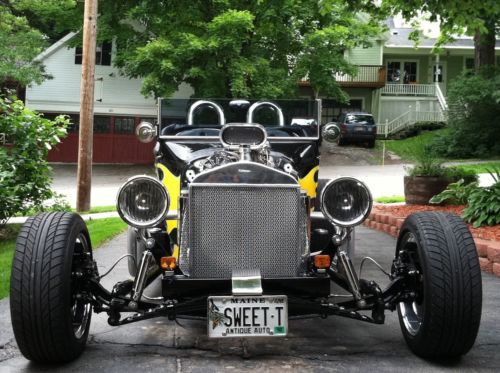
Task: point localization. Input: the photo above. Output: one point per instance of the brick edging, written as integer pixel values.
(487, 250)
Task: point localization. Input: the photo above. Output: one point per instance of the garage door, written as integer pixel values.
(114, 142)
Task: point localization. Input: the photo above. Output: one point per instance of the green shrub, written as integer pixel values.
(24, 171)
(484, 206)
(457, 173)
(456, 193)
(472, 119)
(425, 162)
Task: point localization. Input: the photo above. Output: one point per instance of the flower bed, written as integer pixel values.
(389, 218)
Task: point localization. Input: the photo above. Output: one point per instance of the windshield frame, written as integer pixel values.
(211, 139)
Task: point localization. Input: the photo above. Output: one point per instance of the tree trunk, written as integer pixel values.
(484, 47)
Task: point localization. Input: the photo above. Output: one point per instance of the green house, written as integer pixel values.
(399, 83)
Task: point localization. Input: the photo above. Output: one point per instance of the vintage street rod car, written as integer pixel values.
(239, 231)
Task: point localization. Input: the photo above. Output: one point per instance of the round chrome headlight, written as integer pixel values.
(142, 201)
(145, 132)
(346, 201)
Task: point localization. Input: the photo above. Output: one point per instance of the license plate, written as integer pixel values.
(359, 129)
(247, 316)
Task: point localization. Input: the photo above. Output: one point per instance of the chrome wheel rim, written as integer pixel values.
(80, 309)
(412, 312)
(412, 317)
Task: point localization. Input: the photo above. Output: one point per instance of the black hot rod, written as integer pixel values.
(241, 233)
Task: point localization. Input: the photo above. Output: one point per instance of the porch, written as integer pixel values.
(392, 89)
(367, 76)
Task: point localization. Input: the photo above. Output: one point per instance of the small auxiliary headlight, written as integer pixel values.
(145, 132)
(346, 201)
(142, 202)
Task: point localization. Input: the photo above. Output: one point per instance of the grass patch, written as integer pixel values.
(100, 230)
(480, 168)
(406, 147)
(98, 209)
(391, 199)
(93, 210)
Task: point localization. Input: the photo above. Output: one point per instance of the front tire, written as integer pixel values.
(51, 324)
(444, 319)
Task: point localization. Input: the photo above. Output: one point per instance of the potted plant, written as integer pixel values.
(426, 178)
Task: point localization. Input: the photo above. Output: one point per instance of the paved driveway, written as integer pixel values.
(314, 345)
(336, 161)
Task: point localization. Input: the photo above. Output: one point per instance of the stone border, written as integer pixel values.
(487, 250)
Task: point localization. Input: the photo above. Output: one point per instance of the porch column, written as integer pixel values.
(436, 71)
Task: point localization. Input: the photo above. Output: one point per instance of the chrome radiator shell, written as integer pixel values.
(226, 226)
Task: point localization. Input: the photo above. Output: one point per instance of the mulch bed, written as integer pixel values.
(402, 211)
(389, 218)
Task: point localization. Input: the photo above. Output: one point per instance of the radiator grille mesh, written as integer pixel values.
(243, 227)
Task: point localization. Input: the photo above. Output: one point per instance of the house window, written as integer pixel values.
(394, 72)
(102, 54)
(102, 124)
(401, 72)
(74, 123)
(124, 126)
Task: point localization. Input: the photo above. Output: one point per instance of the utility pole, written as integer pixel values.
(84, 176)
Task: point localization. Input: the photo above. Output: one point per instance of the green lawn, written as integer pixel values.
(390, 199)
(98, 209)
(406, 147)
(100, 230)
(481, 168)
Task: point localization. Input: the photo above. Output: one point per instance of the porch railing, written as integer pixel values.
(409, 89)
(441, 98)
(408, 119)
(367, 76)
(373, 75)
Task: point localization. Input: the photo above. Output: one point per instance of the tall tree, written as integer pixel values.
(26, 28)
(480, 19)
(233, 48)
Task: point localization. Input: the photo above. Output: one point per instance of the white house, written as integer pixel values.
(119, 105)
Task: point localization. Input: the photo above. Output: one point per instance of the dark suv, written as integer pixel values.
(357, 127)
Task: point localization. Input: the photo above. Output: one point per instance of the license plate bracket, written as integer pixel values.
(247, 316)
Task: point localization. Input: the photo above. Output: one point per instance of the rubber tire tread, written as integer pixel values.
(452, 285)
(40, 290)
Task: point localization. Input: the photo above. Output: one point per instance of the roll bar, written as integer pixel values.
(197, 104)
(281, 118)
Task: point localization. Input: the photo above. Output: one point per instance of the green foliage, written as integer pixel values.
(483, 203)
(234, 48)
(455, 194)
(24, 171)
(26, 26)
(425, 162)
(19, 45)
(484, 206)
(480, 19)
(473, 118)
(456, 173)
